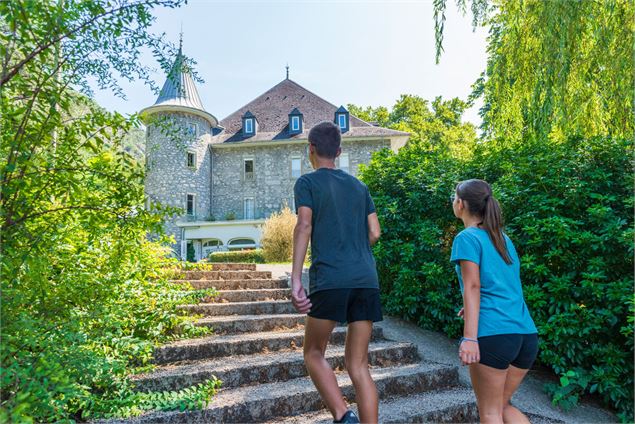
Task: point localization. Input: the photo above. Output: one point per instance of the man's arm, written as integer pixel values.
(301, 237)
(374, 231)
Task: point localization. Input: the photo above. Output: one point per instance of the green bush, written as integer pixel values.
(243, 256)
(568, 208)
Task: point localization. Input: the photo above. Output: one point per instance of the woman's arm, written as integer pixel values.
(468, 350)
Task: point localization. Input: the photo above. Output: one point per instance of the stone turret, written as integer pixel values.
(178, 132)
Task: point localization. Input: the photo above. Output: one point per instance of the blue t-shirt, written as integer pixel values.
(503, 309)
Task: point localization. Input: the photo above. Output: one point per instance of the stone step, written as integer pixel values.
(241, 344)
(263, 283)
(264, 402)
(251, 323)
(223, 275)
(230, 266)
(454, 405)
(217, 266)
(253, 369)
(252, 295)
(240, 308)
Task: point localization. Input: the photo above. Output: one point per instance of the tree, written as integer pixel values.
(555, 69)
(437, 124)
(80, 282)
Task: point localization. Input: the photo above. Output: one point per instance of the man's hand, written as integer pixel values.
(300, 301)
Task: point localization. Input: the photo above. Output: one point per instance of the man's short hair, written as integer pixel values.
(326, 137)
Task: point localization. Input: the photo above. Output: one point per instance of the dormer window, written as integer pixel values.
(250, 124)
(342, 119)
(295, 122)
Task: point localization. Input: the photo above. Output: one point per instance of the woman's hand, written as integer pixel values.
(469, 352)
(460, 314)
(300, 301)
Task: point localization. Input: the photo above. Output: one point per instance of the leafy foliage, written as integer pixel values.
(245, 256)
(85, 290)
(568, 207)
(556, 145)
(417, 280)
(570, 211)
(555, 69)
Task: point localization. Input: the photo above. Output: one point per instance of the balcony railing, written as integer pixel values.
(227, 217)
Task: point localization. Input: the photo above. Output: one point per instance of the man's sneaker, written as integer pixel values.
(349, 418)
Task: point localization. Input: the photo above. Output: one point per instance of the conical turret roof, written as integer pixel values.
(179, 93)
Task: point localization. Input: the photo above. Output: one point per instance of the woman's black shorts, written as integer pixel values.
(502, 350)
(346, 305)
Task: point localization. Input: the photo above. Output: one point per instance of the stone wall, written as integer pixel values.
(272, 184)
(168, 177)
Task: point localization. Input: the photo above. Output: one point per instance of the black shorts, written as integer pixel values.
(346, 305)
(502, 350)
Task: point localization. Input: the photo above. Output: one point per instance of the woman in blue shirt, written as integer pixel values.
(500, 340)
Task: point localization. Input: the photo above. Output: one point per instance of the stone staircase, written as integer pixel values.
(256, 351)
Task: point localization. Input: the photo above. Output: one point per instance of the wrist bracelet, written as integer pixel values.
(465, 339)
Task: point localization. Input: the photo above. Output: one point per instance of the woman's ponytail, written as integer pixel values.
(493, 223)
(480, 201)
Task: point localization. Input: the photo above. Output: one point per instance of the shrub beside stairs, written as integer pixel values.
(256, 351)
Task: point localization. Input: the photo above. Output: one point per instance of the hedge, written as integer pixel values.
(245, 256)
(568, 208)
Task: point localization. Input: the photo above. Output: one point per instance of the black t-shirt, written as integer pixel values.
(341, 256)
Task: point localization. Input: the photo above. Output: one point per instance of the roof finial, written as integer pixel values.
(287, 70)
(181, 39)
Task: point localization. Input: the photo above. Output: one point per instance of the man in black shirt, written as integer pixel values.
(335, 211)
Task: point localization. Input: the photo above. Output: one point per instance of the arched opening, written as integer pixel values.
(212, 245)
(242, 243)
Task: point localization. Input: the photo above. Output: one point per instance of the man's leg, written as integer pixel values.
(316, 336)
(357, 339)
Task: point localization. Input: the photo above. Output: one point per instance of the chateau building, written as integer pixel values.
(228, 176)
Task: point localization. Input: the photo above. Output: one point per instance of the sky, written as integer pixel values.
(363, 52)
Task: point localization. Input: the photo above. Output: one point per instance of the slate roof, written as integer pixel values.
(179, 92)
(272, 109)
(179, 88)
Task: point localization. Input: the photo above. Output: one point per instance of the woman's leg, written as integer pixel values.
(489, 387)
(357, 339)
(316, 336)
(511, 414)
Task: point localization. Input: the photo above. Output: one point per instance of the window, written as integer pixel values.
(344, 165)
(191, 204)
(213, 243)
(249, 126)
(296, 167)
(341, 119)
(249, 169)
(295, 123)
(249, 208)
(241, 244)
(191, 159)
(192, 129)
